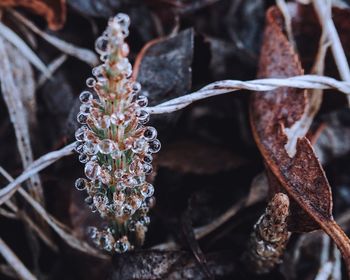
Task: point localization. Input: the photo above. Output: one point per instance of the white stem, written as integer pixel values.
(221, 87)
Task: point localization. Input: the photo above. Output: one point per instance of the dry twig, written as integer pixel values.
(226, 86)
(38, 165)
(15, 262)
(53, 66)
(83, 54)
(325, 17)
(59, 228)
(17, 112)
(15, 40)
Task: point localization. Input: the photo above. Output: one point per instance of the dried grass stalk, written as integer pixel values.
(83, 54)
(18, 116)
(226, 86)
(15, 262)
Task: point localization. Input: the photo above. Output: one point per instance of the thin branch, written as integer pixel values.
(203, 231)
(62, 230)
(83, 54)
(15, 262)
(7, 214)
(17, 42)
(327, 23)
(53, 66)
(8, 271)
(282, 5)
(13, 96)
(219, 221)
(34, 168)
(226, 86)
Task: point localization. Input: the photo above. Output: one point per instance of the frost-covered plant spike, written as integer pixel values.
(115, 145)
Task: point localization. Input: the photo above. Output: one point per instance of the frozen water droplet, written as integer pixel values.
(106, 146)
(150, 133)
(121, 246)
(132, 225)
(103, 57)
(80, 133)
(108, 246)
(83, 158)
(130, 181)
(136, 87)
(116, 154)
(147, 190)
(81, 118)
(92, 170)
(154, 146)
(102, 122)
(90, 82)
(139, 180)
(92, 231)
(124, 49)
(79, 147)
(119, 198)
(148, 158)
(107, 167)
(121, 186)
(105, 177)
(142, 101)
(139, 145)
(147, 168)
(145, 220)
(99, 73)
(101, 45)
(90, 136)
(128, 209)
(150, 201)
(85, 109)
(85, 96)
(119, 173)
(123, 20)
(94, 158)
(80, 184)
(90, 148)
(89, 200)
(143, 116)
(117, 119)
(136, 203)
(93, 208)
(135, 166)
(123, 66)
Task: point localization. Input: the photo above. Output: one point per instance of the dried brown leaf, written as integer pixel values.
(300, 173)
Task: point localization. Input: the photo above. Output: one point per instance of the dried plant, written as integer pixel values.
(270, 236)
(115, 146)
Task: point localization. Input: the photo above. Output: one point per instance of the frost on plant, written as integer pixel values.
(115, 145)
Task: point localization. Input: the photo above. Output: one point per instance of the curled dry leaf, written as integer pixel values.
(296, 169)
(165, 69)
(54, 11)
